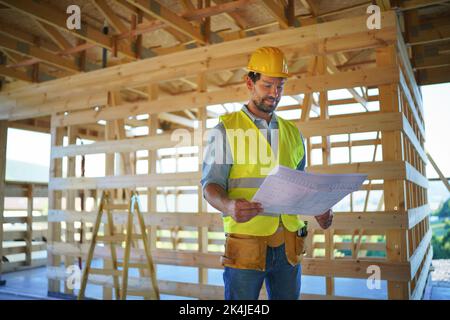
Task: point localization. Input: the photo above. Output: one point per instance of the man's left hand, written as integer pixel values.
(325, 219)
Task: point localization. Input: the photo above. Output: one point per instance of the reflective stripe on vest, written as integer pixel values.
(245, 178)
(245, 182)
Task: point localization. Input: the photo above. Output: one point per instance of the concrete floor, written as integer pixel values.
(438, 287)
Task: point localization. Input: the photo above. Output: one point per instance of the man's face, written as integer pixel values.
(266, 92)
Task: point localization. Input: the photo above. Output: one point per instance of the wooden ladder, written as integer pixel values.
(133, 210)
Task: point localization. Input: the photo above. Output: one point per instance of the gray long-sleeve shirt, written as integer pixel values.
(214, 171)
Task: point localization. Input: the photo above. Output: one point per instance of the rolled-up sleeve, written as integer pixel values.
(301, 165)
(217, 160)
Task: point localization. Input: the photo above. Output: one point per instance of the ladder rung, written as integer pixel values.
(147, 294)
(114, 238)
(110, 272)
(118, 238)
(134, 265)
(123, 206)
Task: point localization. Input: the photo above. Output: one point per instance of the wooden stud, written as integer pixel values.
(3, 143)
(394, 190)
(54, 203)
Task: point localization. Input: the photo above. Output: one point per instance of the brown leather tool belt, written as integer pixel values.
(249, 252)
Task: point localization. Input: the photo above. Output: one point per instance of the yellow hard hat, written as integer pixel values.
(269, 61)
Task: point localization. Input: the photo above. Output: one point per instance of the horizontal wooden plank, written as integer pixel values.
(30, 109)
(398, 271)
(409, 73)
(127, 181)
(411, 103)
(368, 122)
(162, 219)
(343, 144)
(376, 246)
(375, 170)
(21, 265)
(22, 235)
(415, 176)
(24, 219)
(420, 253)
(416, 215)
(351, 268)
(126, 145)
(20, 189)
(23, 249)
(421, 281)
(364, 220)
(407, 129)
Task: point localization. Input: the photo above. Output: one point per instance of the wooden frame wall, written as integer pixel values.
(33, 239)
(403, 219)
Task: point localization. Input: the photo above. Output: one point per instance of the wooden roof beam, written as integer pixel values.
(16, 74)
(234, 16)
(25, 37)
(438, 33)
(57, 19)
(157, 11)
(55, 35)
(277, 12)
(384, 5)
(12, 56)
(417, 4)
(226, 7)
(38, 53)
(110, 16)
(308, 4)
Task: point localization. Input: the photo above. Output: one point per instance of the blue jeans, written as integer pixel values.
(283, 281)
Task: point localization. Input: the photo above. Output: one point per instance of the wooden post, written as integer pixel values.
(3, 142)
(393, 190)
(152, 91)
(326, 157)
(202, 231)
(29, 237)
(109, 171)
(70, 201)
(54, 203)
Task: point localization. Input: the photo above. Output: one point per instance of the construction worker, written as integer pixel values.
(258, 247)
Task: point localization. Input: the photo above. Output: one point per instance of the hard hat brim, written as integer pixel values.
(271, 74)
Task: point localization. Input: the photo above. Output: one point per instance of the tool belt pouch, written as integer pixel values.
(244, 252)
(294, 247)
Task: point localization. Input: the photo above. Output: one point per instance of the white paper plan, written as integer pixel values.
(290, 191)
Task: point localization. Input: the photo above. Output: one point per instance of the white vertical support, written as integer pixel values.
(29, 237)
(152, 91)
(3, 142)
(54, 203)
(202, 231)
(70, 202)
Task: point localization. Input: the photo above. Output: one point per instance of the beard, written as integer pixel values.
(266, 105)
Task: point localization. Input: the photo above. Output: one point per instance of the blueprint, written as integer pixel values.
(290, 191)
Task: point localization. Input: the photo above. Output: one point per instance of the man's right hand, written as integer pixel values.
(242, 210)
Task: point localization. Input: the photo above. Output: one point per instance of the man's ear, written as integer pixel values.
(249, 83)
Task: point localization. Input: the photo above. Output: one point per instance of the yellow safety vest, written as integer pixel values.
(249, 170)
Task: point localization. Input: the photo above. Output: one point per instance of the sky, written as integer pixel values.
(436, 105)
